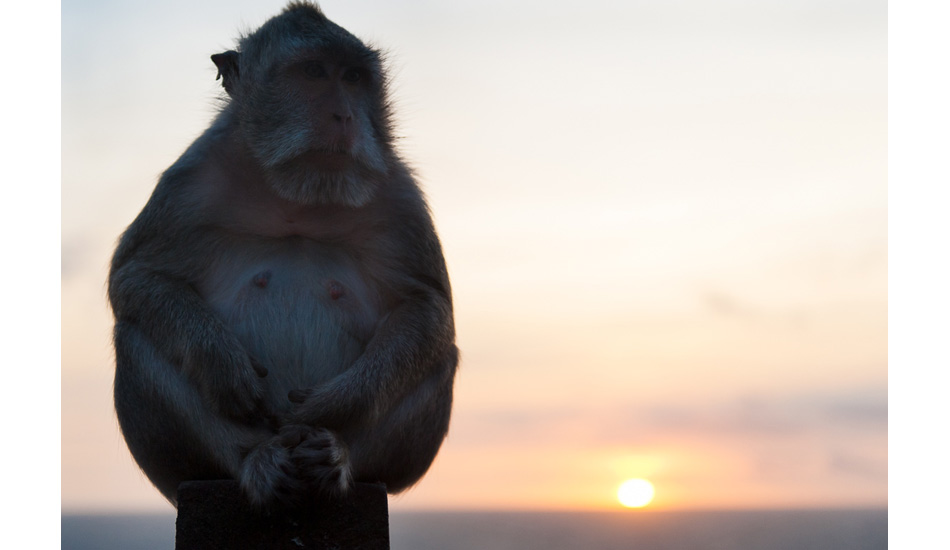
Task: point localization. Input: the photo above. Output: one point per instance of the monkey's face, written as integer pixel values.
(310, 123)
(310, 100)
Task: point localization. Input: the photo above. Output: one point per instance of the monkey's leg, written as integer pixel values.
(174, 435)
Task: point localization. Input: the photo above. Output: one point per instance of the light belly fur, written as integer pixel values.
(302, 310)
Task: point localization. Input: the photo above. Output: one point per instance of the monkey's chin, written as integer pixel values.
(325, 178)
(331, 161)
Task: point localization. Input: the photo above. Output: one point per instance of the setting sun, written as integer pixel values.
(635, 493)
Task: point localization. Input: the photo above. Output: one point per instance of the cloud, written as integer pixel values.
(727, 305)
(817, 412)
(74, 253)
(834, 436)
(827, 416)
(751, 417)
(860, 409)
(862, 466)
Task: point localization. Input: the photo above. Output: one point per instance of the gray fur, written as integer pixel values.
(283, 311)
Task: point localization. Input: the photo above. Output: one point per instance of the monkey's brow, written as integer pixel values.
(325, 61)
(338, 55)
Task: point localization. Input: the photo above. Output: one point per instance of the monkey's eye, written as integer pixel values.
(352, 75)
(314, 69)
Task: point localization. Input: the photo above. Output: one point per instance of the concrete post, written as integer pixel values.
(214, 515)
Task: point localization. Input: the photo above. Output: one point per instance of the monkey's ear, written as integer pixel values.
(227, 64)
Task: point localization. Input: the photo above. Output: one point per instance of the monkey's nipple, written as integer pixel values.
(336, 290)
(262, 279)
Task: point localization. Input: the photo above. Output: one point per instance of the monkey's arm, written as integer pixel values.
(182, 327)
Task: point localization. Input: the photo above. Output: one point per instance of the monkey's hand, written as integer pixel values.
(296, 462)
(227, 376)
(320, 457)
(268, 474)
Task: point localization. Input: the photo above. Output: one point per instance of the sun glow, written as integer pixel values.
(635, 493)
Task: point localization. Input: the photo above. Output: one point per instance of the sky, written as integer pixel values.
(665, 224)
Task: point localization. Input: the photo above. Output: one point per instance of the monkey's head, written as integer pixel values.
(310, 99)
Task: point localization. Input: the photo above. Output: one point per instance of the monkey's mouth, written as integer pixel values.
(327, 159)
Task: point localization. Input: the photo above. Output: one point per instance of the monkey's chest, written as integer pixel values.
(303, 310)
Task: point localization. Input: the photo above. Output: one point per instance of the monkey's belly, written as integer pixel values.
(303, 312)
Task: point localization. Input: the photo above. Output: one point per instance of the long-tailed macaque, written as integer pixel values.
(282, 306)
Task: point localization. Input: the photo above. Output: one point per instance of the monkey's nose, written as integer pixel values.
(343, 130)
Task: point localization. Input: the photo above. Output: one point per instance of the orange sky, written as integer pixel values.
(666, 227)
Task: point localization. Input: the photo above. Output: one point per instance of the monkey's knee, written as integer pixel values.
(171, 433)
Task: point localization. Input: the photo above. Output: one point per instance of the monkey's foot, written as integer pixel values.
(268, 474)
(322, 460)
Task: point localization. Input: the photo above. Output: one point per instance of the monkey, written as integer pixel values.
(283, 314)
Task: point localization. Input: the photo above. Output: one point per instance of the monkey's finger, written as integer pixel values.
(260, 369)
(291, 435)
(298, 396)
